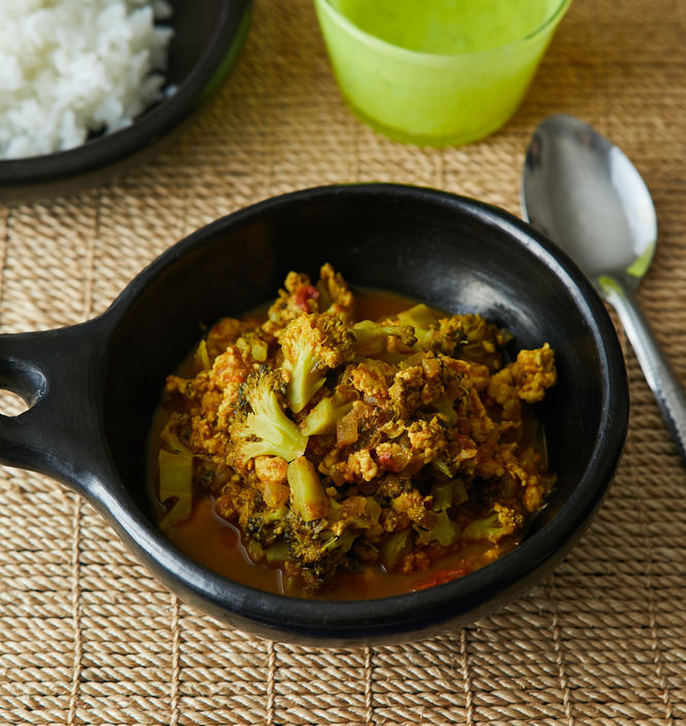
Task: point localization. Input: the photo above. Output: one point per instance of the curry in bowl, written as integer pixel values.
(94, 387)
(350, 445)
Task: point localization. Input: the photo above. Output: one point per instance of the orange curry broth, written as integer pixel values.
(216, 544)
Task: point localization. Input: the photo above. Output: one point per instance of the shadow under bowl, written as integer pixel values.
(95, 386)
(208, 35)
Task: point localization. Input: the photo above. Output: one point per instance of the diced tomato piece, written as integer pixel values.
(303, 294)
(389, 463)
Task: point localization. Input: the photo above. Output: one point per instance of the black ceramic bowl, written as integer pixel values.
(208, 35)
(93, 387)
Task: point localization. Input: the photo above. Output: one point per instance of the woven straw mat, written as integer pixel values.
(87, 636)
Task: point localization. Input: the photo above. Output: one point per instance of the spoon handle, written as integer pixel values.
(657, 370)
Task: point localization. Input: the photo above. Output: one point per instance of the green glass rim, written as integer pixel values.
(551, 20)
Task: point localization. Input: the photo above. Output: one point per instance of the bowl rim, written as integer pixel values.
(154, 123)
(385, 46)
(358, 619)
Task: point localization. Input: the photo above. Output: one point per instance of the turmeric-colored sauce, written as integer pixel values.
(216, 544)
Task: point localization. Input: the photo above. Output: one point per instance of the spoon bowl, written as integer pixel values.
(584, 193)
(581, 190)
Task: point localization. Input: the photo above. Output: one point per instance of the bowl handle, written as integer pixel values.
(57, 373)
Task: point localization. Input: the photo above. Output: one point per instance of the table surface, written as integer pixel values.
(87, 636)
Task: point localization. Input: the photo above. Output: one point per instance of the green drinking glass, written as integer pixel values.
(436, 72)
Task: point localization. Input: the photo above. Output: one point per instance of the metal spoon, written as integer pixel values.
(584, 193)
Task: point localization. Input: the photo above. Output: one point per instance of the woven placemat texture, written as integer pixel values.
(87, 636)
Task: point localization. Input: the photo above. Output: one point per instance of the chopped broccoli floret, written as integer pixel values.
(501, 523)
(309, 546)
(470, 336)
(422, 320)
(335, 296)
(442, 530)
(265, 430)
(312, 345)
(375, 340)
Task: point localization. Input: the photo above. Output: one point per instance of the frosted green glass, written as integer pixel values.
(436, 71)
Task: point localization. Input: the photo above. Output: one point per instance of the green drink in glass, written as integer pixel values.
(436, 71)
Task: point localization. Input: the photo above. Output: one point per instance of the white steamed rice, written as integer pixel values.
(69, 67)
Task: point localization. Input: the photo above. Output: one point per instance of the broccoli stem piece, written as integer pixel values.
(277, 554)
(322, 419)
(393, 550)
(444, 531)
(341, 543)
(449, 493)
(176, 481)
(308, 498)
(443, 495)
